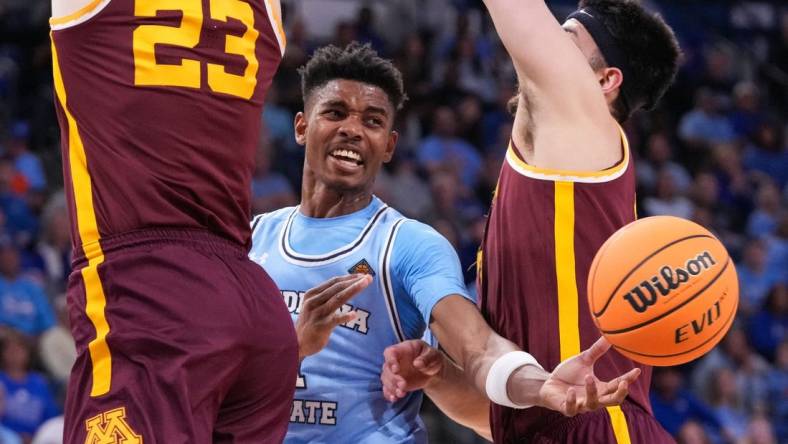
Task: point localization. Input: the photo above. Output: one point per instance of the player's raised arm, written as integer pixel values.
(546, 58)
(609, 59)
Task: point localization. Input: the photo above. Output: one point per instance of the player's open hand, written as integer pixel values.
(573, 388)
(409, 366)
(320, 312)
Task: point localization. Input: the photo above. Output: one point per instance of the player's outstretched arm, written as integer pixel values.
(560, 93)
(319, 315)
(494, 365)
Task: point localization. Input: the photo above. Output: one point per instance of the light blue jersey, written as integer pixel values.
(339, 396)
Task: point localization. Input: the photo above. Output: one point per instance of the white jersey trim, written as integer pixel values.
(78, 17)
(277, 25)
(386, 282)
(309, 260)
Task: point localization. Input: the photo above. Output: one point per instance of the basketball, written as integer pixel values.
(663, 291)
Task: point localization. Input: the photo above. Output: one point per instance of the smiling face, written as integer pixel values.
(347, 130)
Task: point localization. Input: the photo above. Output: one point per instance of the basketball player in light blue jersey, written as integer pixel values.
(411, 277)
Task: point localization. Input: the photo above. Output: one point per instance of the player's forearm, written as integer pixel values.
(524, 384)
(459, 400)
(515, 22)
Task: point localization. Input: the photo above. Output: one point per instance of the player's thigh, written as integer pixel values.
(159, 345)
(257, 406)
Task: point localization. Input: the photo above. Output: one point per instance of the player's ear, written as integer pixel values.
(391, 146)
(611, 80)
(300, 128)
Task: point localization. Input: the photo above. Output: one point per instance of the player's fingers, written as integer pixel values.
(327, 284)
(429, 361)
(629, 377)
(391, 354)
(352, 289)
(600, 347)
(340, 319)
(320, 300)
(570, 403)
(617, 397)
(592, 395)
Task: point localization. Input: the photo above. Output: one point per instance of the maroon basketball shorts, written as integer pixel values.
(180, 339)
(597, 427)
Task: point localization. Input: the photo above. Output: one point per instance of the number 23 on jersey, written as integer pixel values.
(188, 74)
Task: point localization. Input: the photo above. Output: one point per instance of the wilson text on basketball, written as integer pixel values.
(667, 281)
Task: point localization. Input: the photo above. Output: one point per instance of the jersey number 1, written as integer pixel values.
(147, 72)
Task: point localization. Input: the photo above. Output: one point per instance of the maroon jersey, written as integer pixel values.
(159, 102)
(544, 229)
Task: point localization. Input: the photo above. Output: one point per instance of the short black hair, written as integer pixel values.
(355, 62)
(649, 45)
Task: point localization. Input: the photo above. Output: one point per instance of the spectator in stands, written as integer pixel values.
(451, 201)
(769, 326)
(724, 400)
(777, 389)
(692, 433)
(659, 157)
(404, 189)
(444, 150)
(760, 431)
(51, 432)
(747, 114)
(366, 31)
(674, 406)
(26, 163)
(29, 401)
(777, 247)
(763, 221)
(666, 200)
(56, 346)
(20, 222)
(705, 125)
(53, 251)
(7, 436)
(750, 369)
(756, 278)
(270, 189)
(735, 191)
(498, 117)
(767, 153)
(23, 304)
(416, 68)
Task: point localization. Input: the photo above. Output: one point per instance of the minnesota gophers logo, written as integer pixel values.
(111, 428)
(362, 267)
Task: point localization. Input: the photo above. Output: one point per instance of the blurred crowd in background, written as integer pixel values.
(715, 151)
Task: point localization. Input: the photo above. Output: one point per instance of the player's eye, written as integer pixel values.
(374, 121)
(333, 113)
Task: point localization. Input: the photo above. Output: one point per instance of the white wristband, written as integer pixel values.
(499, 374)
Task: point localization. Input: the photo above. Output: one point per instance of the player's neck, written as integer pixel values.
(319, 201)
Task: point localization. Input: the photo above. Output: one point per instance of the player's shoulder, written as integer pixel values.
(415, 238)
(265, 222)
